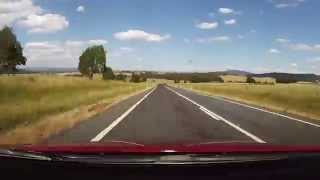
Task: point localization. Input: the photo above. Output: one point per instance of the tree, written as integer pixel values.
(92, 60)
(136, 78)
(121, 77)
(143, 79)
(199, 79)
(250, 80)
(108, 74)
(11, 52)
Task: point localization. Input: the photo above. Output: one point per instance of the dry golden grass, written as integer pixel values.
(27, 99)
(265, 80)
(53, 124)
(234, 78)
(300, 99)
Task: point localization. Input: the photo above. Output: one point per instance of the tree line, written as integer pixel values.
(216, 77)
(186, 77)
(91, 61)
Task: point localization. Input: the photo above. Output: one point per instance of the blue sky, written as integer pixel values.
(170, 35)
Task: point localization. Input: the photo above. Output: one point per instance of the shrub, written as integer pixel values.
(199, 79)
(121, 77)
(108, 74)
(136, 78)
(250, 80)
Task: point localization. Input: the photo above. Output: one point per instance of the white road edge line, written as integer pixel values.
(255, 138)
(274, 113)
(119, 119)
(259, 109)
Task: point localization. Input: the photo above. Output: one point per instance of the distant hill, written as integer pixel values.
(234, 72)
(289, 77)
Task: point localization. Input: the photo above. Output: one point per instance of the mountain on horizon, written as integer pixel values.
(235, 72)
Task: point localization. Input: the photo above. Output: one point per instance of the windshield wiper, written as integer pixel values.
(23, 155)
(145, 159)
(169, 158)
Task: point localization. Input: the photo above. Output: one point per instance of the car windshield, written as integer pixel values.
(145, 73)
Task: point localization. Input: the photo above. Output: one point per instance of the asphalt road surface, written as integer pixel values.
(168, 115)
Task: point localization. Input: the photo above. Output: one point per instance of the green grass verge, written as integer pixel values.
(299, 99)
(26, 99)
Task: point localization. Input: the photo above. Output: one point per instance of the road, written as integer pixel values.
(169, 115)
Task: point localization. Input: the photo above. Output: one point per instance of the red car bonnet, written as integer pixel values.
(155, 149)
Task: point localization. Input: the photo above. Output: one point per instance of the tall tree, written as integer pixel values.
(92, 60)
(11, 52)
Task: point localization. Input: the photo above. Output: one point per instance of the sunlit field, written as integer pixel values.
(265, 80)
(300, 99)
(26, 99)
(234, 79)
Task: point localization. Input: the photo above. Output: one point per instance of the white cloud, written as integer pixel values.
(274, 51)
(80, 9)
(226, 11)
(304, 47)
(10, 10)
(230, 21)
(285, 5)
(45, 45)
(55, 53)
(140, 35)
(97, 42)
(214, 39)
(280, 4)
(294, 65)
(26, 14)
(207, 25)
(73, 43)
(221, 38)
(44, 23)
(229, 11)
(282, 40)
(299, 47)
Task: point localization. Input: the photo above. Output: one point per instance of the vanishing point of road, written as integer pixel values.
(169, 115)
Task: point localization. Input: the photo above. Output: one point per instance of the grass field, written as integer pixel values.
(265, 80)
(234, 78)
(300, 99)
(26, 99)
